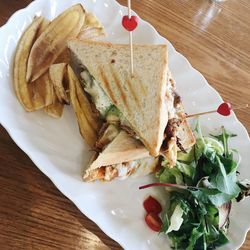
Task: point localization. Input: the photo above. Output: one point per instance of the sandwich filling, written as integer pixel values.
(97, 94)
(123, 170)
(177, 128)
(108, 111)
(103, 104)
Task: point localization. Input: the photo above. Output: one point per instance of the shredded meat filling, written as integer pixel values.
(177, 99)
(170, 132)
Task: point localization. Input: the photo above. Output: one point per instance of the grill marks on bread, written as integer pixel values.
(106, 84)
(119, 87)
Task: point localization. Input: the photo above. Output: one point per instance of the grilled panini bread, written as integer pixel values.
(177, 134)
(141, 99)
(185, 135)
(122, 157)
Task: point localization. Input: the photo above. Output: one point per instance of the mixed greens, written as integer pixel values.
(205, 183)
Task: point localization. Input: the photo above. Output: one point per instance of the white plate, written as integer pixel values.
(57, 149)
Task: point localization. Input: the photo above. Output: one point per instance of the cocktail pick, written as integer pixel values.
(130, 23)
(224, 109)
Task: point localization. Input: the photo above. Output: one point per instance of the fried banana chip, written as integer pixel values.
(52, 41)
(42, 27)
(42, 91)
(91, 29)
(38, 94)
(56, 73)
(55, 109)
(64, 57)
(88, 122)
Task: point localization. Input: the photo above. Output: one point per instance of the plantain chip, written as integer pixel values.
(56, 73)
(91, 29)
(42, 91)
(52, 42)
(64, 57)
(55, 109)
(45, 23)
(38, 94)
(88, 122)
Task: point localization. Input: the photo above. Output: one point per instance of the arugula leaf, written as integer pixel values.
(170, 175)
(165, 223)
(220, 241)
(186, 169)
(224, 182)
(197, 232)
(229, 163)
(204, 194)
(220, 198)
(186, 157)
(223, 137)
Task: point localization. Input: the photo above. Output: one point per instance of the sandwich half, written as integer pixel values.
(146, 105)
(117, 154)
(122, 157)
(139, 102)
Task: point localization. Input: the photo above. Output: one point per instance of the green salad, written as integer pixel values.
(201, 186)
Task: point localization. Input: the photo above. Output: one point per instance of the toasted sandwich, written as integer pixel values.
(139, 101)
(122, 157)
(145, 105)
(117, 154)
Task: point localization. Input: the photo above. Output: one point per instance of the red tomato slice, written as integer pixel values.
(151, 205)
(153, 221)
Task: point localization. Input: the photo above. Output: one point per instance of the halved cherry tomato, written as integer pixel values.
(153, 221)
(151, 205)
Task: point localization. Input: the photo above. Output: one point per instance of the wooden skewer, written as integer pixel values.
(131, 41)
(214, 111)
(202, 113)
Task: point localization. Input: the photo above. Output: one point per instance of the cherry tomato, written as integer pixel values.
(153, 221)
(151, 205)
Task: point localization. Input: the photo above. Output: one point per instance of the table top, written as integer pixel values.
(215, 39)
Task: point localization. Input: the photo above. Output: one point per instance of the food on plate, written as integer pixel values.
(55, 109)
(202, 187)
(151, 205)
(123, 156)
(142, 105)
(57, 76)
(39, 93)
(34, 55)
(88, 122)
(135, 124)
(104, 71)
(92, 28)
(53, 41)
